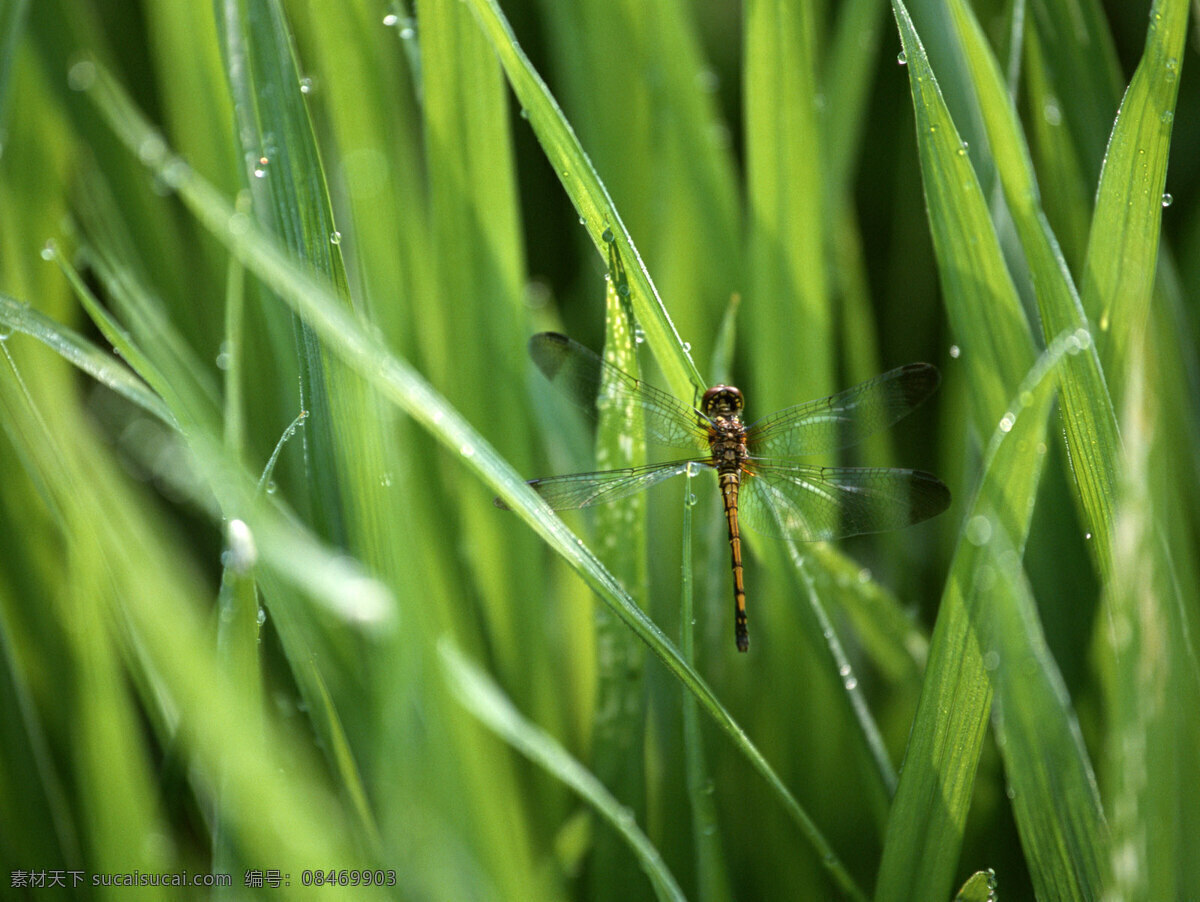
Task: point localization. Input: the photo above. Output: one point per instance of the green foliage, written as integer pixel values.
(267, 273)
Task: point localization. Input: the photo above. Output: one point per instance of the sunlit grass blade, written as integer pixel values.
(587, 192)
(712, 874)
(1091, 434)
(926, 824)
(76, 349)
(1153, 691)
(1118, 276)
(397, 382)
(981, 300)
(1050, 779)
(620, 721)
(787, 303)
(477, 692)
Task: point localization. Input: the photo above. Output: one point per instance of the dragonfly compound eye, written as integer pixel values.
(722, 401)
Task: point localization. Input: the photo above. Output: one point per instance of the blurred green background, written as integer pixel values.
(267, 274)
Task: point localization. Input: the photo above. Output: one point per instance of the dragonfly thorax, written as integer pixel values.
(722, 405)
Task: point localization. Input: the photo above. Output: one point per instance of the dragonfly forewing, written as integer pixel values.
(584, 378)
(783, 500)
(585, 489)
(846, 418)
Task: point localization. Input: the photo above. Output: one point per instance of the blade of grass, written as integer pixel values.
(477, 693)
(981, 300)
(1091, 432)
(620, 722)
(400, 384)
(788, 294)
(588, 194)
(1050, 778)
(926, 824)
(712, 874)
(1118, 275)
(1153, 692)
(71, 346)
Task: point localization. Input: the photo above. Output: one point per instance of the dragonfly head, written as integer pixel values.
(721, 401)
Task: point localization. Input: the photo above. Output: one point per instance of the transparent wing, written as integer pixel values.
(585, 489)
(590, 383)
(782, 499)
(843, 419)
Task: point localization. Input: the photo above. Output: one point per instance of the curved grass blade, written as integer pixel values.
(981, 300)
(590, 197)
(1093, 442)
(401, 385)
(76, 349)
(925, 827)
(477, 693)
(1118, 275)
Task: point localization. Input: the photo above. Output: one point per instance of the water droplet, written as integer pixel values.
(955, 351)
(407, 31)
(687, 347)
(1167, 117)
(1087, 536)
(691, 499)
(262, 616)
(607, 236)
(902, 58)
(272, 488)
(524, 113)
(335, 237)
(152, 150)
(844, 670)
(467, 450)
(864, 575)
(1052, 112)
(1167, 200)
(386, 480)
(260, 170)
(223, 357)
(390, 20)
(991, 660)
(81, 76)
(241, 553)
(1006, 422)
(50, 250)
(962, 149)
(583, 220)
(979, 530)
(639, 334)
(306, 85)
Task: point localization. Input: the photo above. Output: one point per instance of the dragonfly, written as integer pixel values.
(762, 484)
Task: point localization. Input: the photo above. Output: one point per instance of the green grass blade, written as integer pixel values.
(477, 693)
(1051, 782)
(787, 303)
(926, 824)
(712, 875)
(1092, 439)
(76, 349)
(583, 185)
(620, 721)
(1123, 249)
(1153, 690)
(981, 300)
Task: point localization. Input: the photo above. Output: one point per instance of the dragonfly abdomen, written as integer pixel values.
(730, 481)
